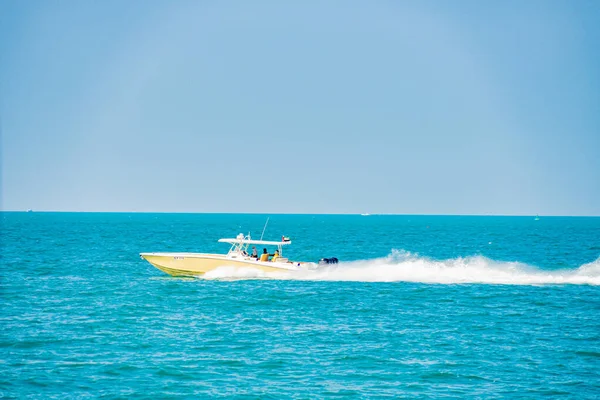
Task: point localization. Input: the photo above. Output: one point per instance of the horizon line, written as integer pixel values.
(297, 213)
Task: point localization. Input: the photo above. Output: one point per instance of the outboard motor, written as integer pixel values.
(332, 260)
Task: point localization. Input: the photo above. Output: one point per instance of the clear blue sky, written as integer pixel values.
(433, 107)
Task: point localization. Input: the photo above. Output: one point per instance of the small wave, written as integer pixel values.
(402, 266)
(244, 273)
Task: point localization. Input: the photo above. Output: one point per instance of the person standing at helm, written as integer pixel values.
(254, 252)
(264, 256)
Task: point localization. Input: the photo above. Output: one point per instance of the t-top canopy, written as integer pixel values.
(250, 241)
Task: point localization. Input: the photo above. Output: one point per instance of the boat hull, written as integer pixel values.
(196, 264)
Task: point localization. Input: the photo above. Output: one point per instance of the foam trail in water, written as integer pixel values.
(402, 266)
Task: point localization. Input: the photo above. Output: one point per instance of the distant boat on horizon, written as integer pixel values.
(537, 218)
(29, 210)
(365, 215)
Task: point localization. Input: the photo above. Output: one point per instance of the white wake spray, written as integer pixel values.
(401, 266)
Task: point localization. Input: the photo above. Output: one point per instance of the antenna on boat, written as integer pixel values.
(263, 232)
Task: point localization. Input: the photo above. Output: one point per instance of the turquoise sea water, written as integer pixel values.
(420, 307)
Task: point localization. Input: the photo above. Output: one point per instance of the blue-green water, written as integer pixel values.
(420, 307)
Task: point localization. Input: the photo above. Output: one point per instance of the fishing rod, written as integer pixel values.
(263, 232)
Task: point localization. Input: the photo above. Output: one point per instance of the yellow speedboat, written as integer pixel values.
(187, 264)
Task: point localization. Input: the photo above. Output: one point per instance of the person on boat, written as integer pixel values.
(275, 255)
(264, 256)
(254, 252)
